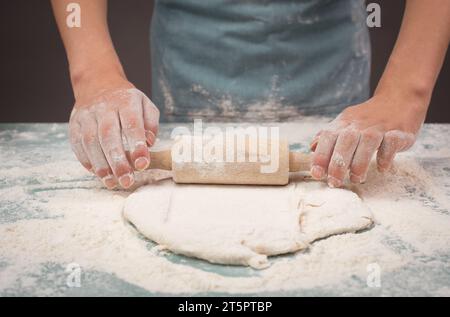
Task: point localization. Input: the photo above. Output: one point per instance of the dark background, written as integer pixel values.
(35, 84)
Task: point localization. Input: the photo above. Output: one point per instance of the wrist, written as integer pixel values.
(402, 85)
(404, 106)
(414, 96)
(88, 83)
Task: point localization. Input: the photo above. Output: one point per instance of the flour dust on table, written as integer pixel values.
(54, 213)
(243, 225)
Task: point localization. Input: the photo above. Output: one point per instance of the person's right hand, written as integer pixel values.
(97, 125)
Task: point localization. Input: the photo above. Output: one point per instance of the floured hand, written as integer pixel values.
(349, 142)
(96, 128)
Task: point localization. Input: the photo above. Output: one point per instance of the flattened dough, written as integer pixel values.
(243, 225)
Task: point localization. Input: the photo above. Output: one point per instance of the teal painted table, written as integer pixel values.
(40, 181)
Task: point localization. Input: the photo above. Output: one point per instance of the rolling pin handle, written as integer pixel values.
(299, 162)
(161, 160)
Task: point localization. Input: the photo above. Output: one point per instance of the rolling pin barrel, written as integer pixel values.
(264, 170)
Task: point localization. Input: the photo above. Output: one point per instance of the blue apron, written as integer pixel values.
(258, 60)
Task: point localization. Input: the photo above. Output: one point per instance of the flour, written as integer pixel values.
(61, 214)
(243, 224)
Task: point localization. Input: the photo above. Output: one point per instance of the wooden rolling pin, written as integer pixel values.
(245, 173)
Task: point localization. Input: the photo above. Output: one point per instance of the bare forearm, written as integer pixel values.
(89, 48)
(419, 52)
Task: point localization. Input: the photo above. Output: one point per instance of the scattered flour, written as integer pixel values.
(57, 212)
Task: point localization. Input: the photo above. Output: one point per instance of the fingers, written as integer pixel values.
(338, 151)
(315, 140)
(132, 121)
(151, 120)
(77, 146)
(368, 144)
(93, 150)
(96, 135)
(393, 142)
(110, 138)
(322, 155)
(342, 156)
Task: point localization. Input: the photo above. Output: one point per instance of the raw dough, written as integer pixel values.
(242, 225)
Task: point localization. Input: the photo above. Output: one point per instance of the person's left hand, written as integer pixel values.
(349, 142)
